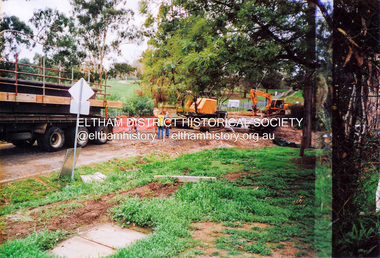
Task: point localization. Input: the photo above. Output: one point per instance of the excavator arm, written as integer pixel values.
(263, 94)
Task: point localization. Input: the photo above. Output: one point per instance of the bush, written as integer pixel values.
(139, 106)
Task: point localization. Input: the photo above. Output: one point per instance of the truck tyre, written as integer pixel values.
(24, 143)
(82, 139)
(53, 139)
(101, 133)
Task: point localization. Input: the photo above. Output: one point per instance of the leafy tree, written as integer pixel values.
(14, 33)
(120, 70)
(96, 22)
(253, 36)
(58, 35)
(185, 56)
(27, 69)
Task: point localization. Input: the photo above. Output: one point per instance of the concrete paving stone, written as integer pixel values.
(188, 179)
(99, 241)
(95, 177)
(77, 247)
(112, 235)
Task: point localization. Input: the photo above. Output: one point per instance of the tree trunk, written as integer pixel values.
(309, 81)
(307, 117)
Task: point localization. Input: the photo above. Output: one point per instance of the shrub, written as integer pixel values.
(139, 106)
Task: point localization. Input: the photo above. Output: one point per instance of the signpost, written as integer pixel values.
(80, 92)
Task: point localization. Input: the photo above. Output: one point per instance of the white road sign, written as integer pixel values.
(87, 92)
(82, 107)
(80, 92)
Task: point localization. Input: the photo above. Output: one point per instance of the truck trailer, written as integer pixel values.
(38, 109)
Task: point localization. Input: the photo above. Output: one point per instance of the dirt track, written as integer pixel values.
(16, 163)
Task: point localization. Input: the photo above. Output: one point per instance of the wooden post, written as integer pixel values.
(59, 72)
(43, 80)
(16, 77)
(40, 68)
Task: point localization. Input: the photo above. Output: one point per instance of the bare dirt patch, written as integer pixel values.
(87, 213)
(206, 233)
(153, 189)
(234, 176)
(288, 250)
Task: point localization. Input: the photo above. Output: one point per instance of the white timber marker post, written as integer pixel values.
(80, 92)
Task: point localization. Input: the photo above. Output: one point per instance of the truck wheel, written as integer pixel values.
(101, 133)
(53, 139)
(24, 143)
(82, 139)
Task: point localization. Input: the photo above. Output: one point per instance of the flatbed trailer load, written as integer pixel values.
(39, 111)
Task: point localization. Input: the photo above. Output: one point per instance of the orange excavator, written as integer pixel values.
(254, 99)
(274, 106)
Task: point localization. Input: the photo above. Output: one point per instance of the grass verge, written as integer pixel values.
(271, 186)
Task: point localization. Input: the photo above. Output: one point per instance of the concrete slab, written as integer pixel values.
(95, 177)
(112, 235)
(77, 247)
(101, 240)
(188, 178)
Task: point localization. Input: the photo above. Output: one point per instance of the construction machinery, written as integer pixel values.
(274, 106)
(254, 99)
(203, 108)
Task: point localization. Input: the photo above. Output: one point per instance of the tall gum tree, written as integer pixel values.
(103, 25)
(58, 36)
(13, 34)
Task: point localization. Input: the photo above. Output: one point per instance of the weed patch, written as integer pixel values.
(258, 248)
(35, 245)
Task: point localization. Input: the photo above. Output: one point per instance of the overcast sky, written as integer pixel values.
(24, 10)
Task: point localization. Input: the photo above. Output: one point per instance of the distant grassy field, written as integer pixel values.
(298, 97)
(122, 89)
(272, 91)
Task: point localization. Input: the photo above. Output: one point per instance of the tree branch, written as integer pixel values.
(324, 12)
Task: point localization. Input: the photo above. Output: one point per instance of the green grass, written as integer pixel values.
(323, 193)
(258, 248)
(274, 202)
(122, 91)
(34, 245)
(273, 91)
(44, 190)
(297, 97)
(274, 190)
